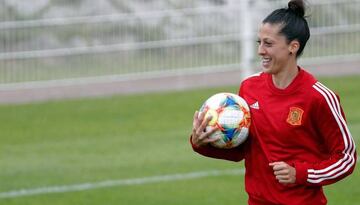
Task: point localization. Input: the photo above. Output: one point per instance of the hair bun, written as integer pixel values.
(297, 6)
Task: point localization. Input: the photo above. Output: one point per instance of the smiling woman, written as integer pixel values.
(282, 39)
(277, 54)
(299, 140)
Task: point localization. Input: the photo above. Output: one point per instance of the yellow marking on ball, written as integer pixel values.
(214, 118)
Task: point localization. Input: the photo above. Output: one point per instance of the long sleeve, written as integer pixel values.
(332, 128)
(235, 154)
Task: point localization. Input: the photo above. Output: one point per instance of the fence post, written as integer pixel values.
(247, 39)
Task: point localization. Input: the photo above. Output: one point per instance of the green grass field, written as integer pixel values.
(125, 137)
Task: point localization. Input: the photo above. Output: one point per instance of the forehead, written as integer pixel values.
(271, 31)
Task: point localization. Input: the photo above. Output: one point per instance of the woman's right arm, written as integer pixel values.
(200, 141)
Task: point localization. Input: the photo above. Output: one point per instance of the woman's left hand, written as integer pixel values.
(283, 172)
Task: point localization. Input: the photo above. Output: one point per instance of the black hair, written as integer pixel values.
(293, 23)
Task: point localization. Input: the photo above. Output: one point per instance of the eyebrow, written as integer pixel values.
(266, 39)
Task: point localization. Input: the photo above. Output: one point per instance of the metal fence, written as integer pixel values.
(75, 41)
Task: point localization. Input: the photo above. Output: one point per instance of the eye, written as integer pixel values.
(258, 42)
(268, 44)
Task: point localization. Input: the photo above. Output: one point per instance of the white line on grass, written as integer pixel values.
(120, 182)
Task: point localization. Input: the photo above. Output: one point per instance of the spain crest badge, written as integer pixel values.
(295, 116)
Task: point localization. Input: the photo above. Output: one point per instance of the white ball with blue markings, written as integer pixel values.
(231, 115)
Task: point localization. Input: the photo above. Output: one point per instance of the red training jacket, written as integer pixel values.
(302, 125)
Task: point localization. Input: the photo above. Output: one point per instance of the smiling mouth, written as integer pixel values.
(265, 61)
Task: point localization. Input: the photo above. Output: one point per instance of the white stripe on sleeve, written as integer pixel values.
(344, 164)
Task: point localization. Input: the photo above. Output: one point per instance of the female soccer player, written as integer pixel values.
(299, 139)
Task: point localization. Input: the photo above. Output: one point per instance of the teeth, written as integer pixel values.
(265, 60)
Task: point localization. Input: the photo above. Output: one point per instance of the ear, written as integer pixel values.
(294, 46)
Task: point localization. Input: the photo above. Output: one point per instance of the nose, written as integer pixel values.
(261, 50)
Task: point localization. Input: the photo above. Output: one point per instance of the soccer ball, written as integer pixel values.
(231, 114)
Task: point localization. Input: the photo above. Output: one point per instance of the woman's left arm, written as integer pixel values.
(332, 126)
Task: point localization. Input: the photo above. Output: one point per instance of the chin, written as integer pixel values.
(267, 70)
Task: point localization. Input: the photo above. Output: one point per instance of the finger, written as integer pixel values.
(205, 136)
(204, 123)
(215, 138)
(282, 177)
(206, 139)
(198, 124)
(279, 167)
(214, 129)
(201, 116)
(212, 139)
(197, 119)
(201, 128)
(282, 172)
(285, 181)
(196, 115)
(276, 163)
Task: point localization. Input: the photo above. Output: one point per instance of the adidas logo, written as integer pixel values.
(255, 105)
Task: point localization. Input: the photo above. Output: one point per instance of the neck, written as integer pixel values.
(283, 79)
